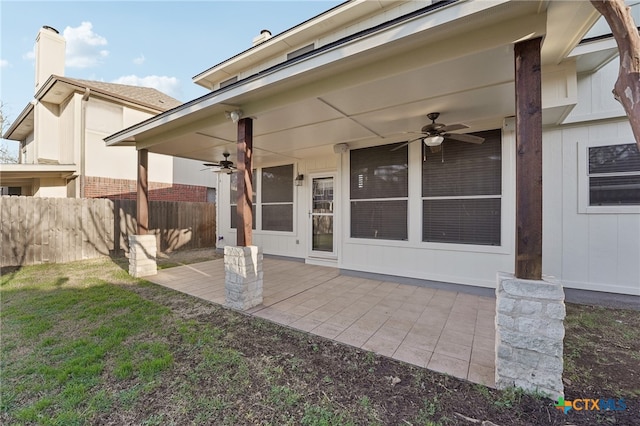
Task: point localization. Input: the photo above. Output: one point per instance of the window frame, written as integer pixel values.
(406, 198)
(584, 206)
(261, 203)
(507, 210)
(257, 203)
(468, 197)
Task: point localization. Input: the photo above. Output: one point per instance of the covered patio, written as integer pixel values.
(443, 330)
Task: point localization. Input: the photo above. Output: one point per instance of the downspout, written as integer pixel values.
(83, 137)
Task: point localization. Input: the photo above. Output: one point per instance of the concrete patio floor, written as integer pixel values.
(444, 331)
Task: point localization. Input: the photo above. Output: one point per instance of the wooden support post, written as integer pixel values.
(245, 182)
(142, 193)
(528, 85)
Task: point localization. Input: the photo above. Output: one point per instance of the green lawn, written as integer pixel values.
(84, 343)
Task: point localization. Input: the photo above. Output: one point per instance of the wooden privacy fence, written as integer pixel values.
(39, 230)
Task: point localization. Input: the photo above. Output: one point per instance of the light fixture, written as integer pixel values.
(298, 180)
(226, 170)
(234, 115)
(433, 140)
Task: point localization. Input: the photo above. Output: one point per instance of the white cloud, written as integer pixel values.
(168, 85)
(139, 60)
(84, 47)
(4, 63)
(31, 55)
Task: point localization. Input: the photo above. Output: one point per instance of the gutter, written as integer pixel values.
(83, 138)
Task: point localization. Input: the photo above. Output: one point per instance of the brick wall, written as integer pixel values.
(124, 189)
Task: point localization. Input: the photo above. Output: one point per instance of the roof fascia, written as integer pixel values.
(51, 82)
(274, 39)
(24, 114)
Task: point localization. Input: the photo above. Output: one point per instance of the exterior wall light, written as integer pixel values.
(234, 115)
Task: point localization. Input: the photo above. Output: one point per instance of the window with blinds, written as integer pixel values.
(276, 198)
(462, 191)
(379, 192)
(614, 175)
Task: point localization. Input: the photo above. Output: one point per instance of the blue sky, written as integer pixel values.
(160, 44)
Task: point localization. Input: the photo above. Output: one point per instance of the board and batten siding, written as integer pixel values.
(586, 250)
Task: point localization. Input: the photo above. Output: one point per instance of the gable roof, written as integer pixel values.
(57, 89)
(145, 96)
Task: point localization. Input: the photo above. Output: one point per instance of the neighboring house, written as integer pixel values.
(62, 153)
(334, 100)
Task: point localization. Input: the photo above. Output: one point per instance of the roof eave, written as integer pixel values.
(18, 123)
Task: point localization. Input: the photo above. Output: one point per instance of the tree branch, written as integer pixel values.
(627, 88)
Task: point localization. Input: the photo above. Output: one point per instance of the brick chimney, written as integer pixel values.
(50, 51)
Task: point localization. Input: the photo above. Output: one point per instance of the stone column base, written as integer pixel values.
(243, 277)
(529, 334)
(142, 255)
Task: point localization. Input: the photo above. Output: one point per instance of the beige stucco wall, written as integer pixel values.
(104, 119)
(46, 128)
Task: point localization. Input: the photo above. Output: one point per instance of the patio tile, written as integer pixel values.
(329, 331)
(400, 324)
(320, 315)
(353, 336)
(460, 325)
(453, 350)
(340, 320)
(381, 345)
(483, 357)
(277, 316)
(465, 339)
(427, 329)
(446, 364)
(486, 330)
(385, 332)
(438, 329)
(420, 341)
(482, 375)
(305, 324)
(412, 355)
(484, 343)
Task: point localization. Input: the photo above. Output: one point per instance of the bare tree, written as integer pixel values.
(6, 156)
(627, 88)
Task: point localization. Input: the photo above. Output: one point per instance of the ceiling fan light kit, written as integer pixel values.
(433, 134)
(225, 165)
(433, 140)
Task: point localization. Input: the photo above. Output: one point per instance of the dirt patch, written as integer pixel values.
(375, 389)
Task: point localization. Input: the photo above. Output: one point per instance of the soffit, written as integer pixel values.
(363, 93)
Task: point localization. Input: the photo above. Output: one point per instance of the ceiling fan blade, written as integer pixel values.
(407, 143)
(211, 164)
(465, 138)
(452, 127)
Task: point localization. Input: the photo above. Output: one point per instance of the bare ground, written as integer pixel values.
(602, 360)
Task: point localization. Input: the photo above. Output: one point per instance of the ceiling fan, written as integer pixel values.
(433, 134)
(225, 165)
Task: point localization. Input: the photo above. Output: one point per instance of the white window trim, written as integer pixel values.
(257, 206)
(583, 179)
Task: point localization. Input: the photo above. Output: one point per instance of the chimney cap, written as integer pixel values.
(265, 32)
(47, 27)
